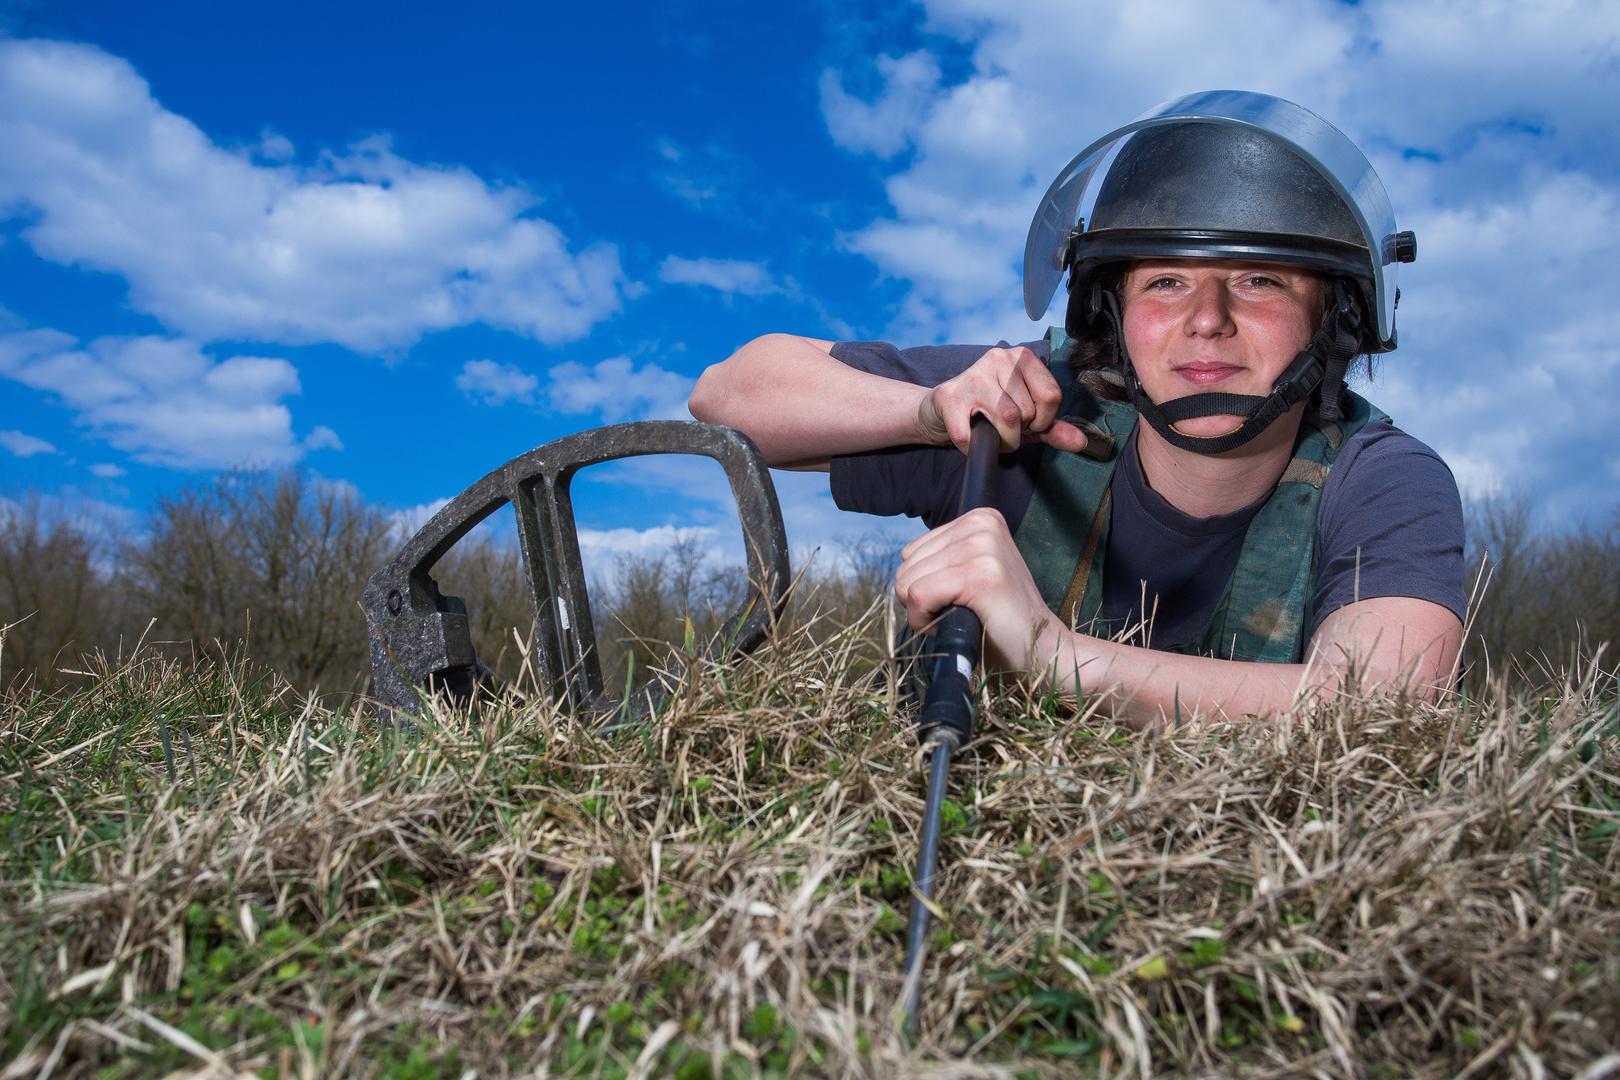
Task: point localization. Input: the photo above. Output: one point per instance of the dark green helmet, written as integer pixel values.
(1220, 192)
(1226, 175)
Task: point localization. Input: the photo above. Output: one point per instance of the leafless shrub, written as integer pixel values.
(279, 562)
(53, 595)
(1545, 597)
(275, 561)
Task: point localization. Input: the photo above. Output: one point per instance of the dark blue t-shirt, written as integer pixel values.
(1389, 522)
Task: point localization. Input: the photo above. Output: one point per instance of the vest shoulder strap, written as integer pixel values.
(1064, 533)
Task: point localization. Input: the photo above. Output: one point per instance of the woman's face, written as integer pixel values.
(1198, 326)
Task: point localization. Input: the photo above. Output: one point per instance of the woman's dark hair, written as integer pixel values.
(1094, 356)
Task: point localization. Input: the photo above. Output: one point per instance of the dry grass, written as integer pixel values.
(201, 875)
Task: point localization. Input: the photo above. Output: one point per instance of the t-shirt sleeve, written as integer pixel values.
(920, 481)
(1390, 524)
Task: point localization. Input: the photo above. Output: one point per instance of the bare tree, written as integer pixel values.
(1547, 595)
(53, 596)
(277, 562)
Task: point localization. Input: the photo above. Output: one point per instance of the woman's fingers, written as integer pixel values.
(1013, 389)
(1030, 382)
(951, 565)
(1064, 436)
(925, 595)
(973, 528)
(974, 562)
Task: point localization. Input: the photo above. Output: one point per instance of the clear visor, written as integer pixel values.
(1338, 159)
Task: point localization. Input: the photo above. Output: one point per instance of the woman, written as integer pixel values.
(1266, 535)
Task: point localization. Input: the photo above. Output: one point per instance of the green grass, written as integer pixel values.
(198, 870)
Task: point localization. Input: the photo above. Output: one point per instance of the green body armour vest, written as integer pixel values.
(1265, 611)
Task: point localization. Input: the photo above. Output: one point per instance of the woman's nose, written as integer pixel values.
(1211, 311)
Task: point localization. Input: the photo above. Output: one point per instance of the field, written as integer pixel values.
(203, 873)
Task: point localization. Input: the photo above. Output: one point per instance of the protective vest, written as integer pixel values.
(1265, 610)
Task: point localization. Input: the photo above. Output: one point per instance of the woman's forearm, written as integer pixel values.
(1148, 687)
(1386, 644)
(801, 406)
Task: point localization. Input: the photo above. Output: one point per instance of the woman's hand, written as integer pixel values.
(1014, 389)
(973, 561)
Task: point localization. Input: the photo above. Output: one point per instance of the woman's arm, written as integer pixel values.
(1386, 642)
(801, 406)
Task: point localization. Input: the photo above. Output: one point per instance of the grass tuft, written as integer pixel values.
(202, 872)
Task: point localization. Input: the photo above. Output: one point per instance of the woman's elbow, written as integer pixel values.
(719, 394)
(707, 396)
(718, 386)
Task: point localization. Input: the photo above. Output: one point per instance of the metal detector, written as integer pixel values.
(947, 714)
(420, 641)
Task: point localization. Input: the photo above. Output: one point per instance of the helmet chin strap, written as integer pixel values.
(1321, 364)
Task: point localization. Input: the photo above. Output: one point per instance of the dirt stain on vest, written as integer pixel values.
(1268, 618)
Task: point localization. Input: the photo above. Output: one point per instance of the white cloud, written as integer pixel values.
(1493, 128)
(817, 529)
(108, 471)
(361, 248)
(603, 552)
(404, 523)
(273, 146)
(616, 389)
(730, 276)
(321, 437)
(495, 384)
(104, 522)
(601, 546)
(1477, 478)
(25, 445)
(164, 400)
(339, 489)
(881, 126)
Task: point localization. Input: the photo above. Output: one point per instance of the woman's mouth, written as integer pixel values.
(1205, 374)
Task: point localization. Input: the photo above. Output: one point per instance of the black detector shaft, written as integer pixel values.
(947, 713)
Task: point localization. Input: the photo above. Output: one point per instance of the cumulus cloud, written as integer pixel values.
(696, 490)
(24, 445)
(106, 523)
(882, 126)
(495, 384)
(360, 247)
(818, 530)
(1493, 129)
(164, 400)
(730, 276)
(616, 389)
(321, 437)
(106, 470)
(403, 523)
(601, 546)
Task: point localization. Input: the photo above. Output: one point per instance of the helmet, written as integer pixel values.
(1226, 175)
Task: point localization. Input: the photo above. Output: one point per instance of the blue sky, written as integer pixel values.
(399, 244)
